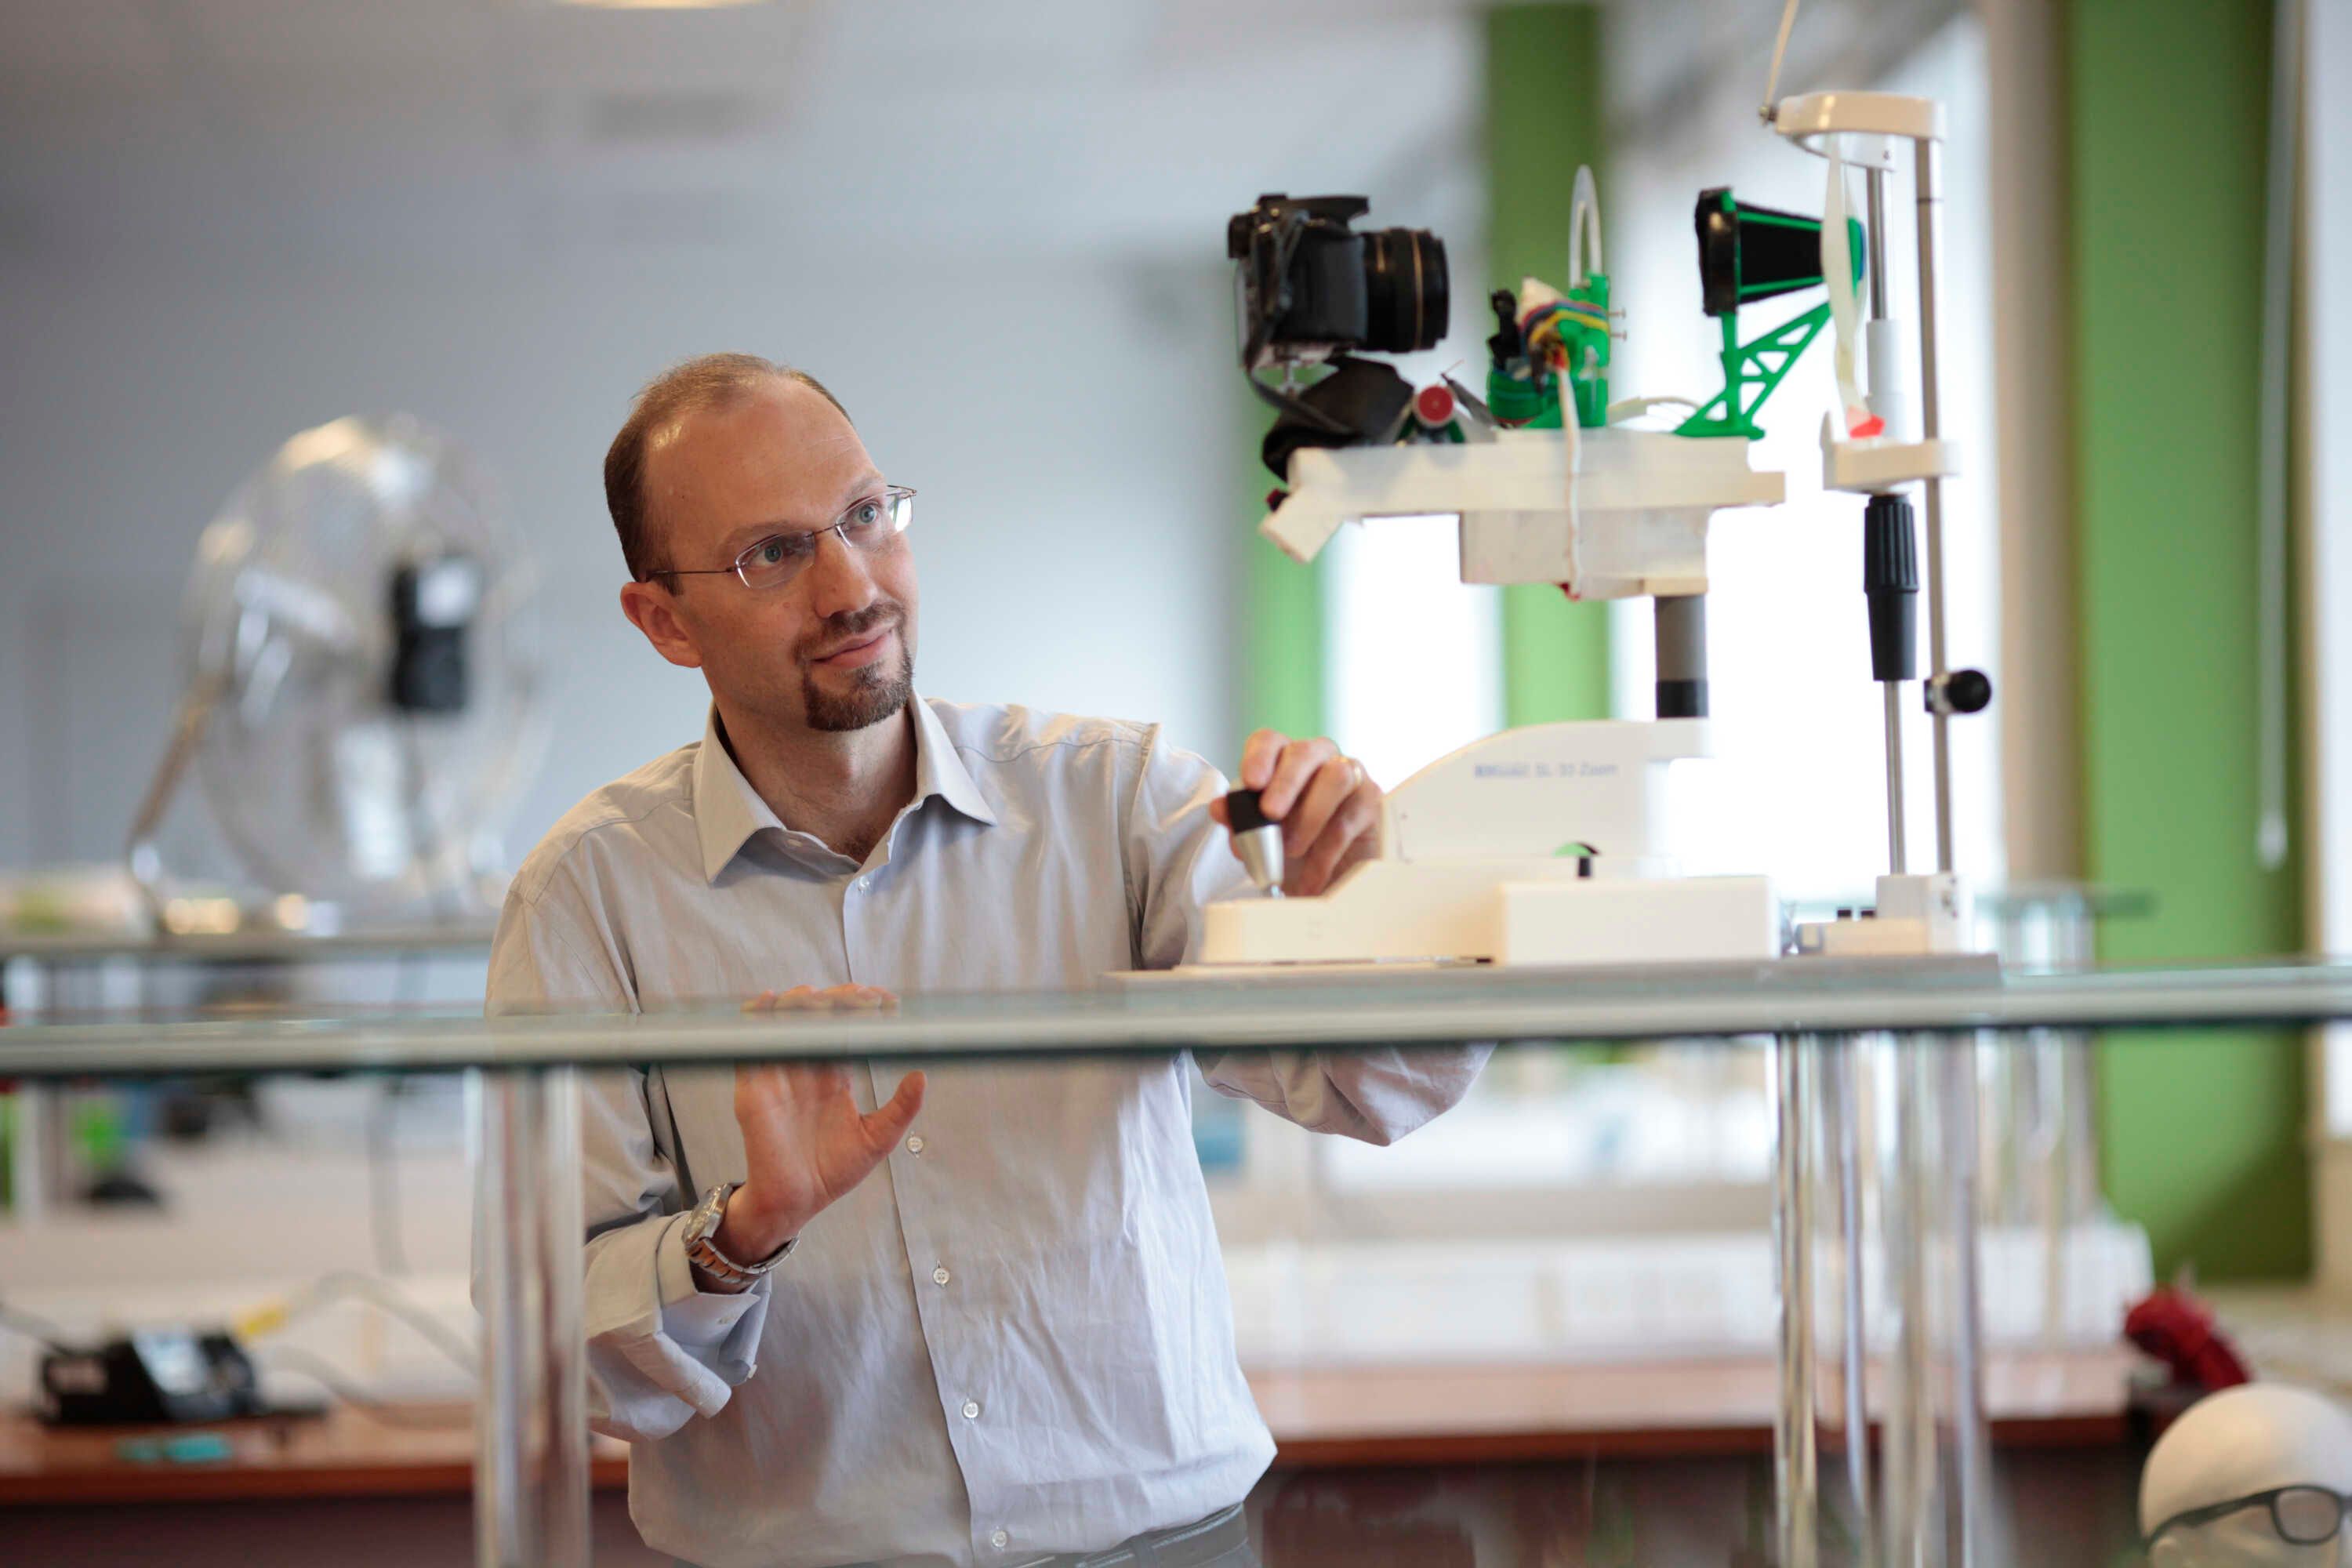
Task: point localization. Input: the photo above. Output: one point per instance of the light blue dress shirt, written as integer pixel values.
(1015, 1337)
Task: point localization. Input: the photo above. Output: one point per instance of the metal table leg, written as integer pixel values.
(1795, 1456)
(531, 1425)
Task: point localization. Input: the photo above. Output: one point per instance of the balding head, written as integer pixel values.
(708, 382)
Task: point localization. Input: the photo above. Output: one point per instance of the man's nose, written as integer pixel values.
(839, 584)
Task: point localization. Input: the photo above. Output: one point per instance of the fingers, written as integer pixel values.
(1292, 770)
(888, 1124)
(1258, 754)
(1350, 835)
(1332, 784)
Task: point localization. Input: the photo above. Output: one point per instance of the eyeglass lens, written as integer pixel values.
(867, 525)
(2307, 1516)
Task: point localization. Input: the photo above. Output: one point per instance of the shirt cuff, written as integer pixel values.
(695, 1318)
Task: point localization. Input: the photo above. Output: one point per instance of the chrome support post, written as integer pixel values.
(1931, 202)
(1795, 1459)
(531, 1423)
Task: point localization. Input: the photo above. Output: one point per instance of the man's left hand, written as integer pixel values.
(1328, 807)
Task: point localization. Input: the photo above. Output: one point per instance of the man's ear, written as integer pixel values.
(649, 609)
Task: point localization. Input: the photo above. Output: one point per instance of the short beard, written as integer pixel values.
(880, 692)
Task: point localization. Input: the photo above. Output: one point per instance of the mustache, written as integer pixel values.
(838, 630)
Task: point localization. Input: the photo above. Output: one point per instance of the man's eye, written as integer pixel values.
(865, 513)
(772, 551)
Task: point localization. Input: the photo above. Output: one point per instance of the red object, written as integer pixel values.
(1433, 405)
(2177, 1328)
(1874, 426)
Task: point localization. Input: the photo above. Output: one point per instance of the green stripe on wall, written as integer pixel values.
(1543, 119)
(1282, 671)
(2201, 1136)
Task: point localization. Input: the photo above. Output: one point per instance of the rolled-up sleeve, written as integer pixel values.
(660, 1351)
(1180, 860)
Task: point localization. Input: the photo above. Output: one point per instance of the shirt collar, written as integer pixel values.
(728, 811)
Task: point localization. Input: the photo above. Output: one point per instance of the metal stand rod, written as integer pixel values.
(1795, 1491)
(1897, 833)
(531, 1423)
(1875, 197)
(1931, 202)
(1843, 1101)
(1912, 1538)
(1972, 1457)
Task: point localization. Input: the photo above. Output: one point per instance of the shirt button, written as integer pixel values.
(915, 1145)
(972, 1410)
(862, 882)
(999, 1541)
(939, 1275)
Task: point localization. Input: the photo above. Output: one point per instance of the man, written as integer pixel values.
(1001, 1331)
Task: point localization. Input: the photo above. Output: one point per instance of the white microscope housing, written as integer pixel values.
(1548, 843)
(2239, 1443)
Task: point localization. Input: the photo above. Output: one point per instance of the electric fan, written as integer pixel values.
(361, 684)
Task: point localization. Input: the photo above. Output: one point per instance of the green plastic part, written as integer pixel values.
(1531, 402)
(1751, 373)
(1588, 353)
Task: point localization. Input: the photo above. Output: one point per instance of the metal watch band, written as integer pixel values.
(701, 1250)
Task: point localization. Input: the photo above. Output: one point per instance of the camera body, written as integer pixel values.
(1311, 286)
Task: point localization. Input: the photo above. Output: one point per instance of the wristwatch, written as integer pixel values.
(702, 1223)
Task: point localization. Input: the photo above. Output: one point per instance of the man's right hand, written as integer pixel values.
(805, 1143)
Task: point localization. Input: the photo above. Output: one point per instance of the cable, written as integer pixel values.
(2273, 520)
(1779, 48)
(342, 1284)
(329, 1377)
(35, 1327)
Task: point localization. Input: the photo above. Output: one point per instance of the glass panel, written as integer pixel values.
(1500, 1393)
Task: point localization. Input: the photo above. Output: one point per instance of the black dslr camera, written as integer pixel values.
(1310, 288)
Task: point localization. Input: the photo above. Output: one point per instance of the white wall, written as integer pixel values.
(1065, 419)
(996, 232)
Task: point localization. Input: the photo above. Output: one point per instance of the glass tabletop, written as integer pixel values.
(1194, 1010)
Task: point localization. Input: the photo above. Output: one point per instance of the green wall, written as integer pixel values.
(1282, 648)
(2202, 1135)
(1543, 119)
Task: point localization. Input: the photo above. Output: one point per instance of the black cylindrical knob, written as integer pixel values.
(1890, 581)
(1242, 808)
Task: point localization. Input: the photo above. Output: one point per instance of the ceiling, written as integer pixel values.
(454, 132)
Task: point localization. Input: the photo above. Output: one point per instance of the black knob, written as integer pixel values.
(1961, 692)
(1245, 813)
(1890, 580)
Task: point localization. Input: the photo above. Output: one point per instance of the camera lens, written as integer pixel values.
(1406, 289)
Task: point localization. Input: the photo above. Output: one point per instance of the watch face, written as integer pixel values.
(704, 1221)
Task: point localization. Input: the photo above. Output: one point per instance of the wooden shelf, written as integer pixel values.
(1332, 1417)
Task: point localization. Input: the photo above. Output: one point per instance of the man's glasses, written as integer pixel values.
(2304, 1516)
(866, 526)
